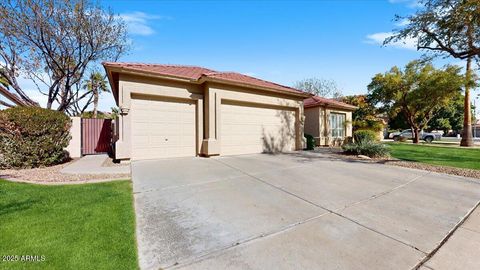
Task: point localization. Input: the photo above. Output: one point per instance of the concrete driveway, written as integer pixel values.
(292, 211)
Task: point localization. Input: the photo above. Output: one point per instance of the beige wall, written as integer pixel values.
(135, 85)
(216, 94)
(74, 148)
(317, 124)
(208, 98)
(312, 121)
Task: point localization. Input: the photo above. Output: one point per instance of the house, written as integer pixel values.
(180, 111)
(327, 120)
(476, 129)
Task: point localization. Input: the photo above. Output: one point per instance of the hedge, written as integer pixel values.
(33, 137)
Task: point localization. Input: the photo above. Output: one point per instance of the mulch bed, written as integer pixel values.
(53, 175)
(407, 164)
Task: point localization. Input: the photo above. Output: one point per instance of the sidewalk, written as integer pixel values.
(461, 251)
(92, 164)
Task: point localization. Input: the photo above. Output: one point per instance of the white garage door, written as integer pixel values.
(246, 129)
(162, 129)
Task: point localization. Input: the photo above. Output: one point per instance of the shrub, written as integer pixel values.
(33, 137)
(364, 135)
(310, 141)
(368, 148)
(370, 124)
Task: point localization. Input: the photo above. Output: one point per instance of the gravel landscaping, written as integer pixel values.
(53, 175)
(337, 152)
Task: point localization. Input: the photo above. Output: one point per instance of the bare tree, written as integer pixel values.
(319, 87)
(54, 42)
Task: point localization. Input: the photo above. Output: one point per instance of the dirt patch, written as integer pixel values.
(434, 168)
(337, 152)
(53, 175)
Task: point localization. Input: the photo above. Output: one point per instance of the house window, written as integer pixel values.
(337, 125)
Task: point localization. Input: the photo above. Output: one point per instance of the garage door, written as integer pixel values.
(247, 129)
(162, 129)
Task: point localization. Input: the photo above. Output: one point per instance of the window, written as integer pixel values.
(337, 125)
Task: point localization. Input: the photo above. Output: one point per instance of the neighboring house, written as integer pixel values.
(476, 129)
(178, 111)
(327, 120)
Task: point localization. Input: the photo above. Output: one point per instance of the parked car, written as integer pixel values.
(426, 136)
(393, 134)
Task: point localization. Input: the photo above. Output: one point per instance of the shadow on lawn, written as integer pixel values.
(16, 206)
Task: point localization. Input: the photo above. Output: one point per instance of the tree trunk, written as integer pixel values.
(467, 138)
(416, 138)
(95, 103)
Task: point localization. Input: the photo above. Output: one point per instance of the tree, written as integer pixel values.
(449, 117)
(448, 28)
(418, 91)
(4, 91)
(366, 115)
(319, 87)
(365, 109)
(54, 42)
(96, 84)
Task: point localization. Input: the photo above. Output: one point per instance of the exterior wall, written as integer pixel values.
(317, 124)
(74, 148)
(313, 123)
(208, 98)
(215, 94)
(328, 140)
(136, 85)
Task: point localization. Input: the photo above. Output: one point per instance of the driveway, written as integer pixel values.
(301, 210)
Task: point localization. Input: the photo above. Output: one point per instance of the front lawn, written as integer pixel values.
(88, 226)
(438, 155)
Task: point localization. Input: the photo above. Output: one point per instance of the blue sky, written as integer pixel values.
(281, 41)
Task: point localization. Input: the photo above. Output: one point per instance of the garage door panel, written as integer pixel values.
(162, 129)
(246, 129)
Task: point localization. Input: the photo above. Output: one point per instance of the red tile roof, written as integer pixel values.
(195, 74)
(321, 101)
(241, 78)
(187, 72)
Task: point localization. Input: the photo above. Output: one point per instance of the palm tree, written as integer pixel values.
(96, 84)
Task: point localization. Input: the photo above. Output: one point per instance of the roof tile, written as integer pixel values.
(196, 73)
(321, 101)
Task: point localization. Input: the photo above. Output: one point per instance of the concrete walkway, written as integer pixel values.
(295, 211)
(462, 250)
(92, 164)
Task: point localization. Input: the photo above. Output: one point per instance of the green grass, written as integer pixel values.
(438, 155)
(89, 226)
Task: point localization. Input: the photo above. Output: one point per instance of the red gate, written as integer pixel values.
(96, 135)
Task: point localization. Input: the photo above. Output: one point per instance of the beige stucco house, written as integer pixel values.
(327, 120)
(179, 111)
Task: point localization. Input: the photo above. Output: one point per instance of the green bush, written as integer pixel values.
(32, 137)
(368, 148)
(365, 135)
(370, 124)
(310, 141)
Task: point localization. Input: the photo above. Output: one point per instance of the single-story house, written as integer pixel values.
(179, 111)
(329, 121)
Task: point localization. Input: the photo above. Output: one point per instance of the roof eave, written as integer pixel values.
(331, 106)
(247, 85)
(111, 81)
(151, 74)
(111, 69)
